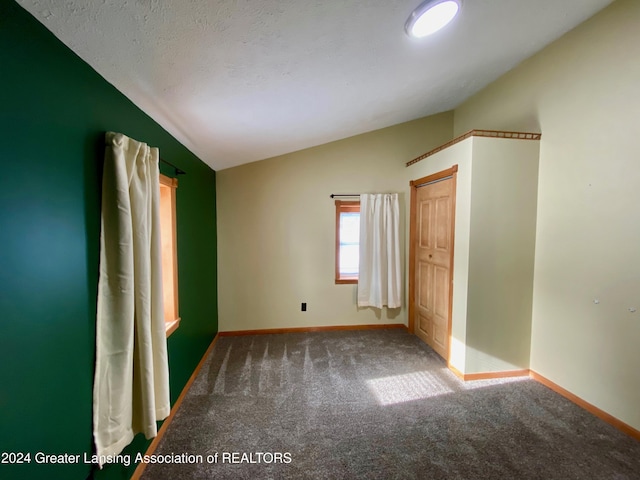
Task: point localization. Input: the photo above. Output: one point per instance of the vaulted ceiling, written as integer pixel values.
(242, 80)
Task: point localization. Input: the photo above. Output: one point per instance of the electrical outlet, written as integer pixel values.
(303, 306)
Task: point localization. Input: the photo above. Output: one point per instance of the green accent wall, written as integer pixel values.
(54, 110)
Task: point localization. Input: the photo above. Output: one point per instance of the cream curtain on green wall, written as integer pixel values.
(131, 387)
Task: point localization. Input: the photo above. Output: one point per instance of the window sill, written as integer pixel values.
(346, 280)
(172, 326)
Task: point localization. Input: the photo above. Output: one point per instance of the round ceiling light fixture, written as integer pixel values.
(431, 16)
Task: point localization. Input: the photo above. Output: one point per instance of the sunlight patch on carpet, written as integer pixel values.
(407, 387)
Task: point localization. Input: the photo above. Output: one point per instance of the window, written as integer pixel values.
(168, 188)
(347, 241)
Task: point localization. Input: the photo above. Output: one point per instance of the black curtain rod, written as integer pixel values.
(179, 171)
(333, 195)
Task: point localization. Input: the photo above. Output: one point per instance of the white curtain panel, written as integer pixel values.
(379, 276)
(131, 387)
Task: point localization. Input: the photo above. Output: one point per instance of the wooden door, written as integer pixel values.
(432, 256)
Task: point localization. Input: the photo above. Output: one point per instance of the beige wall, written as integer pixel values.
(276, 227)
(501, 256)
(582, 93)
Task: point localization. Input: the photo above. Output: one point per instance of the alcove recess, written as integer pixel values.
(494, 246)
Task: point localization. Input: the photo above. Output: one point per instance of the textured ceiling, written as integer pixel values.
(243, 80)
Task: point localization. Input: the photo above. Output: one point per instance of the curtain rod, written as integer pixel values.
(179, 171)
(333, 195)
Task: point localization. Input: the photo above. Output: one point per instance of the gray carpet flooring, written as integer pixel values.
(376, 404)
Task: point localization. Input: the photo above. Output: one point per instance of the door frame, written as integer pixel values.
(414, 185)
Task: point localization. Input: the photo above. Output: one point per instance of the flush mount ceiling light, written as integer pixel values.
(431, 16)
